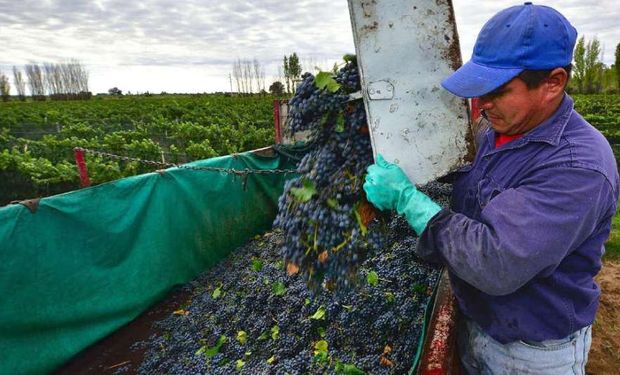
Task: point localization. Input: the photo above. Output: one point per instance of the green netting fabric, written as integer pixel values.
(87, 262)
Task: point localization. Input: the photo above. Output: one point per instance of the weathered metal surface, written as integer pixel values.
(404, 49)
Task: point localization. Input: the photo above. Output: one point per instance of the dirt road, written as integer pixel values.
(605, 353)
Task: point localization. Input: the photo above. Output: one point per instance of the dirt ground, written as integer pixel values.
(605, 352)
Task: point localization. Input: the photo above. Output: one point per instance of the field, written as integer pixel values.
(37, 138)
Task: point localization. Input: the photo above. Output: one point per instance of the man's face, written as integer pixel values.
(513, 108)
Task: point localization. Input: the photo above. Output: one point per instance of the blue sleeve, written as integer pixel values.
(522, 232)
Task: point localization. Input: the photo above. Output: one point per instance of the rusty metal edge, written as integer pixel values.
(266, 152)
(442, 330)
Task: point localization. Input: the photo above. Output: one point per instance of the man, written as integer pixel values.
(524, 237)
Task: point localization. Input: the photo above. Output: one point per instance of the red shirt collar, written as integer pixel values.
(502, 139)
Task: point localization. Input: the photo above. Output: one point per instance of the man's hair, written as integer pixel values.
(534, 78)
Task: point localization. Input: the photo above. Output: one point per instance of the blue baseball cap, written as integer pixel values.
(528, 36)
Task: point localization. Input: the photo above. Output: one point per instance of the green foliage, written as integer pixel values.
(257, 264)
(275, 332)
(321, 353)
(347, 369)
(617, 66)
(319, 314)
(292, 71)
(217, 293)
(372, 278)
(5, 87)
(242, 337)
(579, 69)
(590, 75)
(276, 88)
(304, 193)
(239, 364)
(278, 289)
(39, 137)
(325, 80)
(212, 351)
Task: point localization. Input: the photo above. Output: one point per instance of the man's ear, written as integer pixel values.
(556, 82)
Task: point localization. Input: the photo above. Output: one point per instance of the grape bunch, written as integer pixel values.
(328, 224)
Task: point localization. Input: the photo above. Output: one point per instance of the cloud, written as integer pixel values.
(117, 36)
(591, 18)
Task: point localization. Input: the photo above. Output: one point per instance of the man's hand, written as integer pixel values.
(384, 184)
(388, 188)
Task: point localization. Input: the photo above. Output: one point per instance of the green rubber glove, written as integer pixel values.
(388, 188)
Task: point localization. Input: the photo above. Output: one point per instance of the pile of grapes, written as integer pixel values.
(247, 316)
(328, 225)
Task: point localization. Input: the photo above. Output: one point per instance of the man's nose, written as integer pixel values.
(485, 103)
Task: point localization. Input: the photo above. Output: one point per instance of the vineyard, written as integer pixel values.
(37, 138)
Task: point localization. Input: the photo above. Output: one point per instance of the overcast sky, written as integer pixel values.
(190, 46)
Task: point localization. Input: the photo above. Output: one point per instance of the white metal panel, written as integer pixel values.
(404, 49)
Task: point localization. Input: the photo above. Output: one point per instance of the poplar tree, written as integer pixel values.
(20, 84)
(617, 65)
(5, 87)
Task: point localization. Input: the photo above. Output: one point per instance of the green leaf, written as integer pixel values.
(319, 314)
(240, 364)
(275, 332)
(303, 194)
(211, 352)
(352, 370)
(278, 289)
(271, 360)
(307, 301)
(347, 369)
(321, 346)
(322, 332)
(372, 278)
(263, 336)
(242, 337)
(257, 264)
(320, 351)
(389, 296)
(332, 203)
(217, 293)
(325, 80)
(339, 367)
(339, 123)
(419, 288)
(350, 58)
(320, 356)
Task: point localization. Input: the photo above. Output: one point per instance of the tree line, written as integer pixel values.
(248, 76)
(590, 75)
(59, 81)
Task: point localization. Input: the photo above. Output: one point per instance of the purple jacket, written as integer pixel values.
(525, 235)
